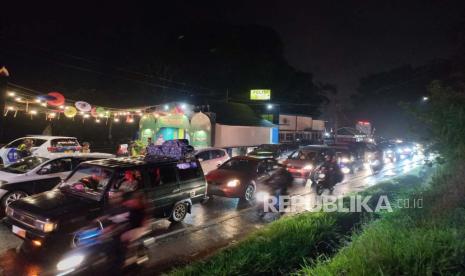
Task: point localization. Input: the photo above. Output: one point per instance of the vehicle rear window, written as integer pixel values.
(64, 142)
(217, 154)
(304, 155)
(205, 155)
(188, 171)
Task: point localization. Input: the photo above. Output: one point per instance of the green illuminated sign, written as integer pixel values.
(260, 94)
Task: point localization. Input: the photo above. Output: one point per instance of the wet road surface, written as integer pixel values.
(212, 225)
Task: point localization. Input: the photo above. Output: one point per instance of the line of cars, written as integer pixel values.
(45, 214)
(51, 213)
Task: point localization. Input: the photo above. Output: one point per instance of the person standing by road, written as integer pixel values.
(85, 147)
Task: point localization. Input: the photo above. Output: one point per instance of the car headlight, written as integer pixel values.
(345, 170)
(233, 183)
(345, 160)
(308, 167)
(45, 226)
(70, 263)
(321, 175)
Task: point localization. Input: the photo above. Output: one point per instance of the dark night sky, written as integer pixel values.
(341, 41)
(338, 41)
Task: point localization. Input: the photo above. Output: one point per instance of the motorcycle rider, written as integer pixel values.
(333, 171)
(278, 183)
(127, 211)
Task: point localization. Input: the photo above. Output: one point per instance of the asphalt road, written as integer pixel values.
(211, 226)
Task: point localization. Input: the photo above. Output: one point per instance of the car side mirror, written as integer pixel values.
(218, 165)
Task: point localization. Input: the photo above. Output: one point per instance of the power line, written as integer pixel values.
(98, 62)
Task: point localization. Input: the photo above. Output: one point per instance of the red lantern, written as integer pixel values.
(59, 99)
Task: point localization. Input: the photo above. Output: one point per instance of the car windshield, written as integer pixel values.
(239, 165)
(270, 148)
(25, 165)
(88, 180)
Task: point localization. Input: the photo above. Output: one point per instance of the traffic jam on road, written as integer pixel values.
(67, 205)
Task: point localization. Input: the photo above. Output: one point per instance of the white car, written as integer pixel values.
(34, 174)
(45, 146)
(211, 158)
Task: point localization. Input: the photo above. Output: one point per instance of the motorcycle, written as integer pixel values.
(320, 181)
(94, 249)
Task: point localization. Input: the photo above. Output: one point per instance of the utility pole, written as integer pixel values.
(4, 74)
(336, 117)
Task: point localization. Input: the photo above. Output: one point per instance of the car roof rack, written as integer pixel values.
(174, 150)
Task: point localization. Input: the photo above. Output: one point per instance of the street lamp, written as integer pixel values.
(425, 98)
(269, 106)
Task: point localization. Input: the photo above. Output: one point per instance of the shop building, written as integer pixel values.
(232, 126)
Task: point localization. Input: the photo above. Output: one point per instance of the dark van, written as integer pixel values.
(48, 219)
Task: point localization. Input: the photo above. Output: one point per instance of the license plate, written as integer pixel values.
(19, 231)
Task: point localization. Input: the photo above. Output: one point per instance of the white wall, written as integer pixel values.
(288, 122)
(318, 125)
(238, 136)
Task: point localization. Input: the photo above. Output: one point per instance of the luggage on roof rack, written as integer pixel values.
(172, 149)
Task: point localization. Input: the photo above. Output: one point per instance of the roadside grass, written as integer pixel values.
(419, 241)
(399, 245)
(283, 246)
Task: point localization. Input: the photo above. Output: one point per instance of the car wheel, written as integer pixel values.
(179, 212)
(12, 196)
(249, 193)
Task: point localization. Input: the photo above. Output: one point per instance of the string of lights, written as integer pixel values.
(54, 105)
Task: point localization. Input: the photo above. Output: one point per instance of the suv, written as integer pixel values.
(44, 146)
(33, 174)
(47, 220)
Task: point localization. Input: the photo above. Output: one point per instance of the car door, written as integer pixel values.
(191, 180)
(51, 173)
(163, 188)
